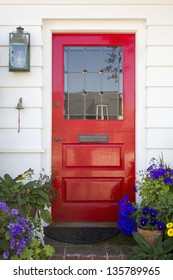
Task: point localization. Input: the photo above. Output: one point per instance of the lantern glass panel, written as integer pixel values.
(19, 56)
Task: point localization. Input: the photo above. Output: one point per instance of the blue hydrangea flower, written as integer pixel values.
(151, 167)
(134, 189)
(157, 173)
(171, 171)
(126, 224)
(168, 180)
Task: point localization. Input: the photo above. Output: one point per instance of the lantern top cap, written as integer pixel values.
(19, 36)
(19, 28)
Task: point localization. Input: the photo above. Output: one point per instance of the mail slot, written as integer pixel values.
(93, 138)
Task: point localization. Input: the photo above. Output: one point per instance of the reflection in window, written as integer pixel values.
(93, 83)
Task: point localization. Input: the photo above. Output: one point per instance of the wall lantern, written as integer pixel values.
(19, 50)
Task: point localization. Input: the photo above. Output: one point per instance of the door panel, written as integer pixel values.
(91, 155)
(93, 124)
(92, 189)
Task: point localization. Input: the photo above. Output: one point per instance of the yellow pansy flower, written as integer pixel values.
(169, 225)
(170, 232)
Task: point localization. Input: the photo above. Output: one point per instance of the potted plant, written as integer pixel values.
(29, 195)
(149, 223)
(156, 208)
(156, 191)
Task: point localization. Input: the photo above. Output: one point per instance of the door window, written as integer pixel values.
(93, 82)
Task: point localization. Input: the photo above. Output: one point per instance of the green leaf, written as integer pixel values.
(134, 257)
(140, 239)
(4, 244)
(30, 185)
(27, 254)
(46, 216)
(168, 245)
(40, 191)
(136, 250)
(21, 201)
(49, 250)
(7, 235)
(9, 180)
(158, 242)
(14, 257)
(40, 201)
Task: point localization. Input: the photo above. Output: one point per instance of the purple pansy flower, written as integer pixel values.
(153, 213)
(145, 211)
(143, 222)
(160, 226)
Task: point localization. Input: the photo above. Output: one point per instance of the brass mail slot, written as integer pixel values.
(93, 138)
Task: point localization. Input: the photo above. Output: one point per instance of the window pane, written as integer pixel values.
(93, 82)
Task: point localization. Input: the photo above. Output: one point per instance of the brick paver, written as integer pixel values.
(96, 251)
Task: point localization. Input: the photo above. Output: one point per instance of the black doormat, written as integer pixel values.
(80, 235)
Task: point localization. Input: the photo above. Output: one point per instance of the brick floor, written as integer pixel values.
(111, 249)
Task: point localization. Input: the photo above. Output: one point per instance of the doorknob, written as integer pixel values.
(57, 139)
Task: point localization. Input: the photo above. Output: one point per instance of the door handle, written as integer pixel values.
(57, 139)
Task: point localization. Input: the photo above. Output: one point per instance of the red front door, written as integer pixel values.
(93, 124)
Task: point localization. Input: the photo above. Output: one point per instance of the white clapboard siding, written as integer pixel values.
(29, 118)
(159, 84)
(31, 97)
(161, 97)
(160, 35)
(21, 79)
(16, 163)
(155, 15)
(160, 56)
(25, 139)
(160, 138)
(20, 15)
(35, 56)
(160, 76)
(35, 34)
(160, 117)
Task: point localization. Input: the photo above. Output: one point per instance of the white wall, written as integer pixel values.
(151, 20)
